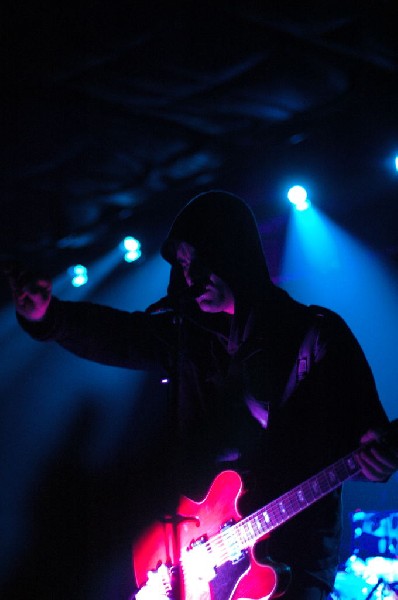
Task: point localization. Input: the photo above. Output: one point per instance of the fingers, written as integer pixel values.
(376, 464)
(371, 436)
(22, 280)
(31, 293)
(32, 287)
(378, 459)
(26, 285)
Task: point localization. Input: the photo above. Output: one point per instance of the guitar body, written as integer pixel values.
(205, 551)
(208, 571)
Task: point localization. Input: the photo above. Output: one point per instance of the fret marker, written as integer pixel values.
(266, 517)
(300, 497)
(332, 477)
(351, 464)
(282, 508)
(315, 487)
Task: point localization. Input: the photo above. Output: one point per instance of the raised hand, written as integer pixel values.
(31, 293)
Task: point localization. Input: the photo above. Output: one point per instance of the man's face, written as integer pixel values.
(217, 295)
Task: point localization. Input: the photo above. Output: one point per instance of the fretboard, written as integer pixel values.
(263, 521)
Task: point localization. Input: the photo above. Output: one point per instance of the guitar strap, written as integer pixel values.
(306, 355)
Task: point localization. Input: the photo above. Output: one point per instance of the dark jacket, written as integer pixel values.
(278, 391)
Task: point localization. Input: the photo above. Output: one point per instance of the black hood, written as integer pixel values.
(222, 229)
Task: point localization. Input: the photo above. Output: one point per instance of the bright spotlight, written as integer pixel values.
(297, 195)
(131, 248)
(396, 163)
(79, 275)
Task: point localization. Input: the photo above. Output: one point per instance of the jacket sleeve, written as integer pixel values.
(106, 335)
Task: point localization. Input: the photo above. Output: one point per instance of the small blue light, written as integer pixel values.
(79, 275)
(303, 205)
(132, 248)
(298, 196)
(396, 163)
(79, 280)
(131, 244)
(79, 270)
(132, 255)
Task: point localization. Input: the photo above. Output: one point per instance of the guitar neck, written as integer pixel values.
(266, 519)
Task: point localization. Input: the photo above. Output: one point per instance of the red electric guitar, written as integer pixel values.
(206, 551)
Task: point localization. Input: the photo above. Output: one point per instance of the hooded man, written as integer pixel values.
(261, 384)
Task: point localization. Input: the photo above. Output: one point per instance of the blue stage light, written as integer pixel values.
(132, 248)
(79, 275)
(396, 163)
(131, 244)
(298, 196)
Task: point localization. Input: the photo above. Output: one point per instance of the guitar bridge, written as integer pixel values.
(197, 564)
(162, 583)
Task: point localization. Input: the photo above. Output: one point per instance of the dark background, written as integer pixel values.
(113, 115)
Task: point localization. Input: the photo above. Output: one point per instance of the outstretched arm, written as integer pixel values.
(99, 333)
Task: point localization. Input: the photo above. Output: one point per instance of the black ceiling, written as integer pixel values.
(114, 114)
